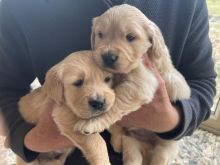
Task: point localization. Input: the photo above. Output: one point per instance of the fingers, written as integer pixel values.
(46, 124)
(134, 119)
(47, 113)
(161, 92)
(45, 136)
(147, 62)
(150, 65)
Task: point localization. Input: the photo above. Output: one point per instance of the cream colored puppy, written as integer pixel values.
(120, 37)
(76, 88)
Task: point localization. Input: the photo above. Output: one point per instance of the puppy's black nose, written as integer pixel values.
(97, 104)
(109, 59)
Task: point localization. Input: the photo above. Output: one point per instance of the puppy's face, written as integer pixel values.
(81, 85)
(120, 37)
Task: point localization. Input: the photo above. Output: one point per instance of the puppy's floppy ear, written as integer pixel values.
(93, 33)
(158, 48)
(158, 52)
(176, 84)
(53, 85)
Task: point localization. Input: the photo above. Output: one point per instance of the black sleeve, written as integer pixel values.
(198, 69)
(16, 75)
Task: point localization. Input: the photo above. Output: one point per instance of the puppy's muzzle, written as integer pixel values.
(97, 105)
(109, 59)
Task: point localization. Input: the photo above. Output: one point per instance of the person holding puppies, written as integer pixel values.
(34, 35)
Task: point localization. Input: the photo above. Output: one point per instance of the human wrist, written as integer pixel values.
(164, 120)
(174, 133)
(174, 118)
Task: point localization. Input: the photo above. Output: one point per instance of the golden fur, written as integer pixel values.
(127, 33)
(70, 102)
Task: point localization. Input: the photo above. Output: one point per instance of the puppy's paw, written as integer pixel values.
(177, 86)
(88, 127)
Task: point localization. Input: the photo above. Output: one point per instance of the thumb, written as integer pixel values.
(161, 92)
(45, 143)
(147, 62)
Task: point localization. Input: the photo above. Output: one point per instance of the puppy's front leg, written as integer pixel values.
(138, 88)
(93, 146)
(130, 147)
(132, 151)
(116, 137)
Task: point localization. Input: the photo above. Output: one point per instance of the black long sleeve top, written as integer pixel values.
(36, 34)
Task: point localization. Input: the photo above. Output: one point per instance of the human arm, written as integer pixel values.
(15, 80)
(16, 72)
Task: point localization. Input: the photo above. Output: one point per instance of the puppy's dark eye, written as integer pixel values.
(78, 83)
(130, 37)
(108, 79)
(100, 34)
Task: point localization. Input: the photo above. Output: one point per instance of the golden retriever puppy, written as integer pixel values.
(120, 37)
(77, 89)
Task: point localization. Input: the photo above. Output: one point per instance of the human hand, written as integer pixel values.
(45, 136)
(157, 116)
